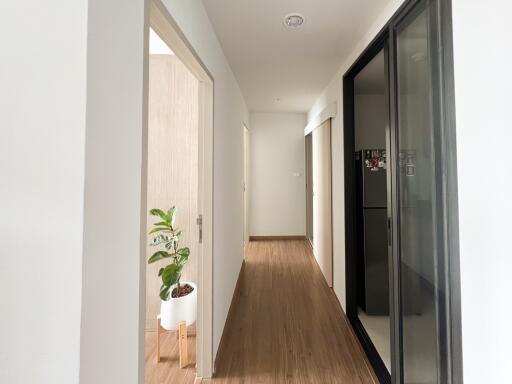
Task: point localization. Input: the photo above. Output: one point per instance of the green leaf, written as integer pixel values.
(160, 271)
(182, 260)
(169, 245)
(171, 274)
(158, 212)
(159, 229)
(159, 239)
(158, 256)
(171, 215)
(164, 292)
(162, 223)
(183, 255)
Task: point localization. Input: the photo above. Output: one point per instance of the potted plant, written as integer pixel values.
(179, 299)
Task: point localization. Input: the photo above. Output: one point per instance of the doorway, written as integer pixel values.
(371, 119)
(421, 229)
(172, 178)
(180, 173)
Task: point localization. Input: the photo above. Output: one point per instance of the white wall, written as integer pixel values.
(334, 93)
(112, 266)
(42, 124)
(278, 197)
(230, 111)
(484, 134)
(115, 138)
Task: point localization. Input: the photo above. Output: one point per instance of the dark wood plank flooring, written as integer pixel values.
(286, 325)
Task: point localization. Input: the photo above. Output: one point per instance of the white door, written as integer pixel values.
(322, 214)
(246, 187)
(309, 188)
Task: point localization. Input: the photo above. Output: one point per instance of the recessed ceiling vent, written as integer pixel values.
(294, 20)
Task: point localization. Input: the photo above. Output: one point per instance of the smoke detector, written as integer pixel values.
(293, 20)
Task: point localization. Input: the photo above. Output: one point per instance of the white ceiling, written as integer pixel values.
(279, 69)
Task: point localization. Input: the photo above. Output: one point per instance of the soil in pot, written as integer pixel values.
(183, 291)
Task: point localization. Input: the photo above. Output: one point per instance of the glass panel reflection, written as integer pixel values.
(371, 120)
(417, 203)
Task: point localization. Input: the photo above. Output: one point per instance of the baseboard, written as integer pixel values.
(273, 238)
(229, 318)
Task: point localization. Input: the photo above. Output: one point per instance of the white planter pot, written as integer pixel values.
(176, 310)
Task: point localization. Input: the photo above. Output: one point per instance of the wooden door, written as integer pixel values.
(322, 201)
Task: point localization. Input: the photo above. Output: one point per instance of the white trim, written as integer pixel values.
(163, 23)
(327, 113)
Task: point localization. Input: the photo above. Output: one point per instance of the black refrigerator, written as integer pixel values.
(372, 249)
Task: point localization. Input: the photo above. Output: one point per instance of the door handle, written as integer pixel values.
(389, 231)
(199, 222)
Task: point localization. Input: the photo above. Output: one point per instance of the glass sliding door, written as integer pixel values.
(406, 314)
(418, 205)
(371, 123)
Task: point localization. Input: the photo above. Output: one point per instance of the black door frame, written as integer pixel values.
(351, 221)
(446, 175)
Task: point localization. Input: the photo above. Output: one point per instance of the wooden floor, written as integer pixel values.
(286, 325)
(168, 371)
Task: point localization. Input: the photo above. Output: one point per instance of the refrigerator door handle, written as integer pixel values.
(389, 231)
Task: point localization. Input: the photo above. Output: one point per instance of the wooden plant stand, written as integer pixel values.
(182, 337)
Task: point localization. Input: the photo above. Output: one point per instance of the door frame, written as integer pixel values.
(351, 220)
(247, 152)
(308, 149)
(166, 27)
(446, 164)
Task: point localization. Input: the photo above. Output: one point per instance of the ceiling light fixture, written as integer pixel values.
(293, 20)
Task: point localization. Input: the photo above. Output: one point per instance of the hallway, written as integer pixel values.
(286, 324)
